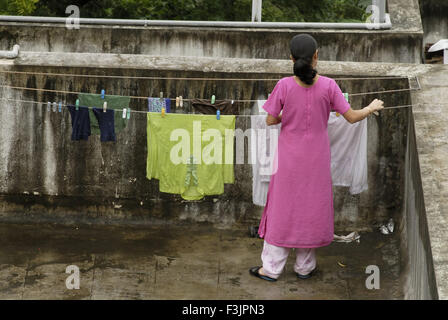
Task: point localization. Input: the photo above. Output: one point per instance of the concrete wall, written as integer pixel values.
(435, 20)
(419, 279)
(219, 42)
(105, 183)
(402, 43)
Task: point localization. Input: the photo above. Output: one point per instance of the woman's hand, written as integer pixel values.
(376, 105)
(271, 120)
(354, 116)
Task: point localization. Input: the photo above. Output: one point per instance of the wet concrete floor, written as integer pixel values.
(170, 262)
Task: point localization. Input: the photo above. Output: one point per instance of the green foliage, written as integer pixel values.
(314, 10)
(224, 10)
(17, 7)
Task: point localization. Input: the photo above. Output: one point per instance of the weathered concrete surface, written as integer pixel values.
(434, 15)
(402, 43)
(416, 250)
(432, 136)
(180, 263)
(93, 182)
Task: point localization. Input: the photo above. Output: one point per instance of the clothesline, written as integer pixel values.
(45, 104)
(178, 78)
(189, 99)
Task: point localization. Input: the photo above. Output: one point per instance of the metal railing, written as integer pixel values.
(186, 23)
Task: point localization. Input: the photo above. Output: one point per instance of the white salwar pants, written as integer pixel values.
(274, 260)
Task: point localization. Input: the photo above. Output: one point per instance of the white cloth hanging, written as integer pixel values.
(348, 143)
(257, 107)
(264, 140)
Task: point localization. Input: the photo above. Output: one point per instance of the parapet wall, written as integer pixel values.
(401, 43)
(45, 176)
(417, 261)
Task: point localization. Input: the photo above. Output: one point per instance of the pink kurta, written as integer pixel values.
(299, 208)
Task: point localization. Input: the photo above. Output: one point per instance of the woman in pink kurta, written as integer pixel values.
(299, 208)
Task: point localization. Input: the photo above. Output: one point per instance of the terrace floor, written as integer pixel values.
(180, 263)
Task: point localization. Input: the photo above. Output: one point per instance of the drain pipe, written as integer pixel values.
(14, 53)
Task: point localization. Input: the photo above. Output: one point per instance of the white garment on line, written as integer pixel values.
(264, 140)
(257, 107)
(348, 143)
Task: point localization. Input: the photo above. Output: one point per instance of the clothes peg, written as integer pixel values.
(55, 106)
(213, 99)
(48, 106)
(218, 114)
(129, 114)
(232, 101)
(177, 102)
(60, 106)
(161, 100)
(102, 93)
(105, 106)
(77, 104)
(163, 112)
(181, 102)
(124, 113)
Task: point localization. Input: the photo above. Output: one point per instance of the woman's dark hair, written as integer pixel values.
(303, 47)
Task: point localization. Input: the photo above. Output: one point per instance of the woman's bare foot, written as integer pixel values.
(261, 271)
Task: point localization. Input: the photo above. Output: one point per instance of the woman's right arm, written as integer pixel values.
(271, 120)
(274, 105)
(354, 116)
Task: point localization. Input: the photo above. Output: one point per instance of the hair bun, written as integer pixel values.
(304, 71)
